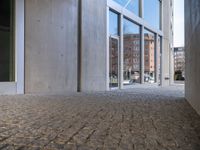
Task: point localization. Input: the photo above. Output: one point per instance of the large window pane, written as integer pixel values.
(133, 6)
(149, 57)
(159, 58)
(113, 50)
(152, 12)
(6, 40)
(121, 2)
(131, 53)
(113, 23)
(113, 62)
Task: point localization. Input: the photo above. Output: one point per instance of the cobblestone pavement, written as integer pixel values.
(141, 118)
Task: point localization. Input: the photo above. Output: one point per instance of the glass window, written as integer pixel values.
(149, 57)
(152, 12)
(6, 40)
(132, 53)
(159, 58)
(113, 23)
(114, 50)
(121, 2)
(133, 6)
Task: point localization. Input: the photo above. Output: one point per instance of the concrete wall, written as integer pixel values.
(167, 55)
(93, 76)
(50, 46)
(192, 38)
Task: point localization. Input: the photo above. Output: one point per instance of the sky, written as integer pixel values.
(178, 23)
(178, 18)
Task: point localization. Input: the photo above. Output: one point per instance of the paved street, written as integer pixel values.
(142, 118)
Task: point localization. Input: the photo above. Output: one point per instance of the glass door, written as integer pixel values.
(7, 66)
(113, 62)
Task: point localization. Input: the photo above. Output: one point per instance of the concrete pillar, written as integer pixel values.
(94, 33)
(19, 45)
(167, 39)
(121, 54)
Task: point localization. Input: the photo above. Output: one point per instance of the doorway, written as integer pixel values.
(7, 56)
(11, 47)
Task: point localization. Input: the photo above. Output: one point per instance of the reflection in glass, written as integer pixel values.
(114, 63)
(133, 6)
(152, 12)
(159, 59)
(113, 49)
(121, 2)
(132, 52)
(6, 38)
(113, 23)
(149, 57)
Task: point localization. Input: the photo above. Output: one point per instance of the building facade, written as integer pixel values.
(144, 31)
(75, 45)
(179, 60)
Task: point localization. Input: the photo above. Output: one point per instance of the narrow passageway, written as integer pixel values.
(141, 118)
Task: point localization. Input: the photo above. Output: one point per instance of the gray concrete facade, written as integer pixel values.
(66, 45)
(94, 42)
(192, 38)
(167, 48)
(51, 46)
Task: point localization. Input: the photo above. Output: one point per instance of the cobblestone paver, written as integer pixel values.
(141, 118)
